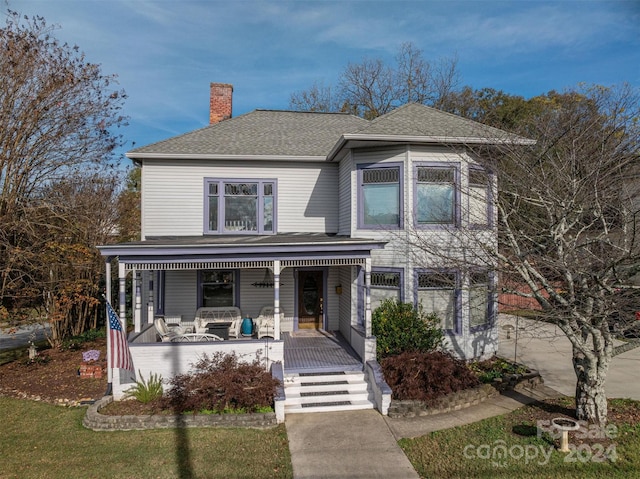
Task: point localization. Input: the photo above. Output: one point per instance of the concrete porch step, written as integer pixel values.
(334, 391)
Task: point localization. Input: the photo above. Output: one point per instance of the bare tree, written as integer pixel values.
(567, 217)
(58, 115)
(318, 98)
(372, 87)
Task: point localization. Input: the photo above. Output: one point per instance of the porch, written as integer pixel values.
(318, 352)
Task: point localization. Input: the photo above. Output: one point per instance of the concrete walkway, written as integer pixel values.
(544, 347)
(363, 444)
(345, 445)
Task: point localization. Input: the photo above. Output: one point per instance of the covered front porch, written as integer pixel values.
(309, 282)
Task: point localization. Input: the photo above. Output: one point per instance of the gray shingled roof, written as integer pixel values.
(310, 134)
(262, 132)
(416, 120)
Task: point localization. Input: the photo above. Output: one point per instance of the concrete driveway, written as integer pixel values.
(544, 347)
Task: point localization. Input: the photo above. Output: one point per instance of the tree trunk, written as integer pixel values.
(591, 400)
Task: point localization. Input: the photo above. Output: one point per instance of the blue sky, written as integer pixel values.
(166, 52)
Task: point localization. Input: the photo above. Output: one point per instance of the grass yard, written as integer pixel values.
(509, 447)
(39, 440)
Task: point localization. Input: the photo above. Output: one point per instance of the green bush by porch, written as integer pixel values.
(401, 327)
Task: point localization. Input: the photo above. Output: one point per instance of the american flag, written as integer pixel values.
(120, 354)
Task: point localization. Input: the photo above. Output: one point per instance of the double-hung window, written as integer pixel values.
(480, 299)
(385, 284)
(437, 292)
(479, 197)
(217, 288)
(379, 196)
(436, 194)
(240, 206)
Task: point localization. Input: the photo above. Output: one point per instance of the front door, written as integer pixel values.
(310, 299)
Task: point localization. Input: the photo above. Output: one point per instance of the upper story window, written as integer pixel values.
(436, 195)
(479, 197)
(240, 206)
(379, 196)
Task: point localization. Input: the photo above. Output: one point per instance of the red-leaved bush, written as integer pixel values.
(222, 383)
(426, 376)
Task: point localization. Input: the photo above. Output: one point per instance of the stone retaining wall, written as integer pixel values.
(101, 422)
(464, 399)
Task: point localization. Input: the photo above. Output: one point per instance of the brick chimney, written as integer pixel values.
(220, 102)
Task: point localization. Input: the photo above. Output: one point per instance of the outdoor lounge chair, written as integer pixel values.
(265, 322)
(229, 314)
(195, 338)
(165, 332)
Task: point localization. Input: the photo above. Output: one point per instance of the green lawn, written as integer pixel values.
(471, 451)
(39, 440)
(43, 441)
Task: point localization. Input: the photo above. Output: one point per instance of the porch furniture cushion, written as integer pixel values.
(175, 322)
(165, 332)
(265, 322)
(195, 338)
(215, 314)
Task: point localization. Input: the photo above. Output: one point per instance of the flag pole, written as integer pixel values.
(107, 267)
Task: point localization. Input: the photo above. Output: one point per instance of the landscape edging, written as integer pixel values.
(102, 422)
(465, 398)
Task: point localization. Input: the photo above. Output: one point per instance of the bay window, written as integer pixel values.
(480, 299)
(385, 284)
(436, 194)
(379, 196)
(479, 197)
(437, 292)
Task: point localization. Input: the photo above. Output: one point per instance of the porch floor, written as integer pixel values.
(318, 351)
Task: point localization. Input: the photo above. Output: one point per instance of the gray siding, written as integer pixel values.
(348, 299)
(345, 196)
(173, 194)
(181, 295)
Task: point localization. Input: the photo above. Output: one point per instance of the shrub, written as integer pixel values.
(426, 376)
(146, 392)
(77, 342)
(400, 327)
(221, 383)
(495, 368)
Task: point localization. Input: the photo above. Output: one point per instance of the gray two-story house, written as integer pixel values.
(304, 222)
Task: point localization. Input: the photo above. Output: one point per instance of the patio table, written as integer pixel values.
(219, 328)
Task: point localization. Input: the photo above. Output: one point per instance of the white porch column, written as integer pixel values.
(150, 308)
(107, 295)
(122, 293)
(137, 301)
(367, 296)
(276, 299)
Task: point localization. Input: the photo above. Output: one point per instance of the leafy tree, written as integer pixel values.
(58, 115)
(372, 88)
(129, 207)
(491, 107)
(77, 214)
(567, 222)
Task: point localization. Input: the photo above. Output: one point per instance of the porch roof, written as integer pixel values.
(220, 251)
